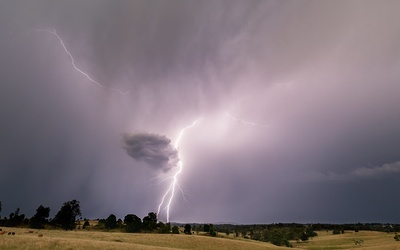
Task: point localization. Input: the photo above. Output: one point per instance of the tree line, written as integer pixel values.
(278, 234)
(65, 217)
(134, 224)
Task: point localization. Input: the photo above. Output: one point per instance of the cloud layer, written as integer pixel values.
(359, 173)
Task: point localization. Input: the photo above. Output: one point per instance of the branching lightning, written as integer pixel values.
(53, 32)
(169, 194)
(171, 190)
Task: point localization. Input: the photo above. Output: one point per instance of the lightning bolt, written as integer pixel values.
(244, 122)
(171, 189)
(168, 196)
(53, 32)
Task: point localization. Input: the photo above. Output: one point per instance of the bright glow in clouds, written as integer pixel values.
(171, 189)
(174, 183)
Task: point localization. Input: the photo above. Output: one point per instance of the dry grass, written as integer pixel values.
(57, 239)
(372, 240)
(82, 239)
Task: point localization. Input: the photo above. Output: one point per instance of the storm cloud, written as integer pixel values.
(154, 149)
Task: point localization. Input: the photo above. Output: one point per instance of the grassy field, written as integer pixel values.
(371, 240)
(57, 239)
(80, 239)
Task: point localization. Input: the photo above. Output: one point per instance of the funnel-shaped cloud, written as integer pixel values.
(154, 149)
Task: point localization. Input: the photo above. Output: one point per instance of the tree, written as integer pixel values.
(307, 234)
(188, 229)
(111, 222)
(150, 221)
(213, 233)
(66, 217)
(206, 228)
(86, 224)
(15, 219)
(102, 223)
(175, 230)
(256, 234)
(244, 232)
(278, 237)
(132, 223)
(304, 236)
(164, 228)
(40, 218)
(310, 233)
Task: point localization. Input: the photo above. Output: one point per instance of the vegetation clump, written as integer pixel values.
(188, 229)
(40, 218)
(358, 242)
(66, 217)
(210, 230)
(175, 230)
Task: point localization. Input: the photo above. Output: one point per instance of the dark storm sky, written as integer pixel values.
(321, 80)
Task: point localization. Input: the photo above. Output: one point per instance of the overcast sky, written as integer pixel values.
(298, 100)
